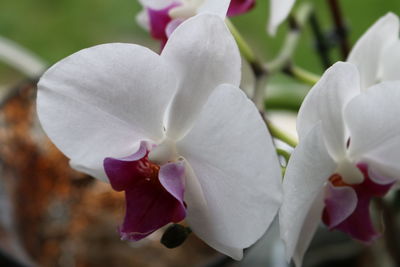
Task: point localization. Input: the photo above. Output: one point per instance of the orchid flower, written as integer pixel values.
(161, 17)
(348, 153)
(377, 52)
(347, 162)
(173, 131)
(279, 11)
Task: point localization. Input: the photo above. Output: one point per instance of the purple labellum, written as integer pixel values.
(159, 19)
(154, 194)
(238, 7)
(340, 203)
(353, 218)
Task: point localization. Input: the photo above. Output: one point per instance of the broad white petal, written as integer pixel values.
(326, 102)
(101, 101)
(236, 166)
(372, 121)
(279, 10)
(194, 195)
(157, 4)
(367, 52)
(219, 8)
(391, 62)
(310, 225)
(204, 55)
(309, 168)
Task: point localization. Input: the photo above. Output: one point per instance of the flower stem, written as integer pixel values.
(260, 91)
(340, 27)
(302, 75)
(296, 24)
(260, 73)
(246, 50)
(286, 155)
(321, 44)
(279, 134)
(283, 61)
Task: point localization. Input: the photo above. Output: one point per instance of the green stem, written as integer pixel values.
(246, 51)
(279, 134)
(279, 62)
(259, 71)
(297, 22)
(283, 61)
(286, 155)
(244, 47)
(302, 75)
(283, 170)
(260, 91)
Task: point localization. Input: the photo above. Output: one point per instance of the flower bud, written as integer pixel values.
(175, 235)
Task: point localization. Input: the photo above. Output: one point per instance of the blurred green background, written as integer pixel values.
(55, 29)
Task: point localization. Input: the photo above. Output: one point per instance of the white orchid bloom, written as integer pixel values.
(377, 52)
(161, 17)
(173, 131)
(349, 152)
(348, 143)
(279, 11)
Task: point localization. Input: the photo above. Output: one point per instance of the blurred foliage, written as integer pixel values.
(360, 14)
(55, 29)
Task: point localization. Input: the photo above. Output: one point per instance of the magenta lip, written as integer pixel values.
(154, 194)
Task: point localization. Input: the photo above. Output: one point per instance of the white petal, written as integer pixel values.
(367, 52)
(102, 101)
(372, 120)
(310, 225)
(194, 195)
(172, 26)
(382, 172)
(310, 166)
(157, 4)
(279, 11)
(326, 102)
(391, 62)
(219, 8)
(204, 55)
(236, 166)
